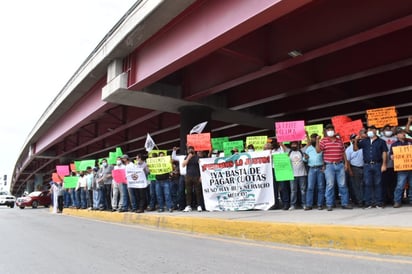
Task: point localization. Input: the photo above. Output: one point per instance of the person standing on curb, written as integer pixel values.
(335, 165)
(192, 179)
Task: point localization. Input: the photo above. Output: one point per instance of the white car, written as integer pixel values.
(7, 199)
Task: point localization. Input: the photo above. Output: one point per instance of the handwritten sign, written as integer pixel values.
(380, 117)
(119, 175)
(70, 181)
(290, 131)
(62, 170)
(350, 128)
(318, 129)
(258, 142)
(283, 167)
(217, 143)
(339, 121)
(402, 158)
(56, 178)
(199, 141)
(229, 146)
(159, 165)
(72, 167)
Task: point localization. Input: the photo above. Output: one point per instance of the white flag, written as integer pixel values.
(149, 144)
(198, 128)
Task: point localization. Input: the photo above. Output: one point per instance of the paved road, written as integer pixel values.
(41, 242)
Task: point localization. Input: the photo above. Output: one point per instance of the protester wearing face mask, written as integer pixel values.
(335, 165)
(389, 176)
(105, 180)
(120, 194)
(250, 148)
(374, 156)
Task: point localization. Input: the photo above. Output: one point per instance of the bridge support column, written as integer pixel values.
(189, 117)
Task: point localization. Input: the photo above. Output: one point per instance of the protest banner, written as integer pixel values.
(379, 117)
(283, 167)
(199, 141)
(242, 181)
(402, 158)
(228, 146)
(136, 178)
(350, 128)
(62, 170)
(217, 143)
(70, 181)
(56, 178)
(290, 131)
(258, 142)
(119, 175)
(159, 165)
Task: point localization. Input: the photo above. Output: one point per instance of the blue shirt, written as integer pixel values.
(372, 151)
(315, 159)
(355, 158)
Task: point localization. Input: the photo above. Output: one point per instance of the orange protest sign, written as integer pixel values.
(380, 117)
(199, 141)
(56, 178)
(350, 128)
(402, 158)
(339, 121)
(73, 167)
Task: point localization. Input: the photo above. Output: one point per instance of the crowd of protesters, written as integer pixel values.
(327, 173)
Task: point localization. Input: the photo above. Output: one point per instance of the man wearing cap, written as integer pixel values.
(374, 152)
(335, 161)
(402, 176)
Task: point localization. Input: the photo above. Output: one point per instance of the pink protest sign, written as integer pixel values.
(290, 131)
(63, 170)
(119, 175)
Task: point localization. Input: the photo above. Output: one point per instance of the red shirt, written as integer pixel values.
(332, 150)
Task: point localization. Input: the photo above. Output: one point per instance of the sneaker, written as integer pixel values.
(187, 209)
(320, 207)
(292, 208)
(329, 208)
(160, 210)
(307, 208)
(347, 207)
(199, 209)
(379, 206)
(170, 210)
(397, 205)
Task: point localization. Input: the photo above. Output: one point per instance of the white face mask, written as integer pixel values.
(330, 133)
(104, 164)
(370, 134)
(250, 150)
(118, 162)
(388, 133)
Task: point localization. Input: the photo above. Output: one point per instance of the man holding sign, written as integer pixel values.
(402, 175)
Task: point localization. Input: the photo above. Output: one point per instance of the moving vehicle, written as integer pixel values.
(7, 199)
(35, 199)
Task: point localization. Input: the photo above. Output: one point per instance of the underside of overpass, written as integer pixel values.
(251, 62)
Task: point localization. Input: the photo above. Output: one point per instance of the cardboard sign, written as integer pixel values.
(339, 121)
(258, 142)
(318, 129)
(56, 178)
(70, 181)
(402, 158)
(63, 170)
(159, 165)
(379, 117)
(199, 141)
(290, 131)
(217, 143)
(73, 167)
(119, 175)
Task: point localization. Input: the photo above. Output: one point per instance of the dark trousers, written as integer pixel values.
(190, 183)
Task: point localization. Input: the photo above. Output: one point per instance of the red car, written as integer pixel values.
(35, 199)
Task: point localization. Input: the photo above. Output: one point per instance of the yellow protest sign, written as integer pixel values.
(159, 165)
(258, 142)
(402, 158)
(380, 117)
(318, 129)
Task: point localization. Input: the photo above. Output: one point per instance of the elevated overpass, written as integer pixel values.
(241, 64)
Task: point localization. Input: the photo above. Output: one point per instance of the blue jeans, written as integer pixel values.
(284, 187)
(96, 198)
(152, 202)
(372, 176)
(73, 195)
(316, 177)
(82, 197)
(163, 194)
(403, 176)
(356, 184)
(124, 197)
(67, 198)
(336, 172)
(301, 181)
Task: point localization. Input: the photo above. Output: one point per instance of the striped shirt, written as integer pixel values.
(333, 150)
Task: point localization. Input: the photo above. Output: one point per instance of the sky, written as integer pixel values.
(43, 43)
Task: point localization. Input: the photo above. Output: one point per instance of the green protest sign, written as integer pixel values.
(84, 164)
(228, 146)
(70, 181)
(283, 167)
(217, 143)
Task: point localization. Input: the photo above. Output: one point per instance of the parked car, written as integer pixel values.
(35, 199)
(7, 199)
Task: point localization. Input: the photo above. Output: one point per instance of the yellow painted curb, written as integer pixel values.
(383, 240)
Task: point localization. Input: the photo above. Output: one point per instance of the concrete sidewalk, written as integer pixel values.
(385, 231)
